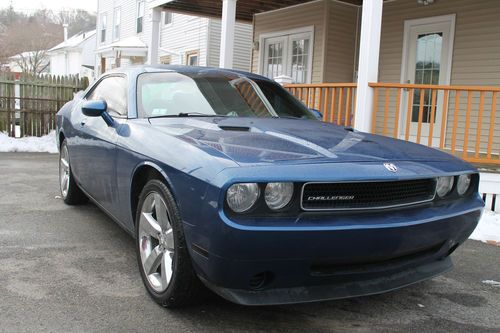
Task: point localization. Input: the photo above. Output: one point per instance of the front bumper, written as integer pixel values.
(328, 256)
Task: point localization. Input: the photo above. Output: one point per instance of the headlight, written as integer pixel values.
(463, 184)
(278, 195)
(444, 186)
(241, 197)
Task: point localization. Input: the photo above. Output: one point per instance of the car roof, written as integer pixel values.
(139, 69)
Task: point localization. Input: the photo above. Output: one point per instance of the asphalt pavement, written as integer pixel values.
(72, 269)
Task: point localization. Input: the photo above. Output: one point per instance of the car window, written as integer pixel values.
(213, 93)
(113, 90)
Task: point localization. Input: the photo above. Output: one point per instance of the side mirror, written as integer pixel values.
(318, 114)
(94, 108)
(97, 108)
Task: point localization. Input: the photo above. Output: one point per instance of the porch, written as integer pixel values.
(468, 125)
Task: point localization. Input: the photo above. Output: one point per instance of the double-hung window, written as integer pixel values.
(117, 23)
(104, 23)
(140, 16)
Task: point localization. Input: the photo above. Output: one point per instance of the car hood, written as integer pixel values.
(272, 140)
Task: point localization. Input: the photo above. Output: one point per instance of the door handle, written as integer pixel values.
(83, 122)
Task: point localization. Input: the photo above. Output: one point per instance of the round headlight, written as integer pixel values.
(278, 195)
(241, 197)
(463, 184)
(444, 186)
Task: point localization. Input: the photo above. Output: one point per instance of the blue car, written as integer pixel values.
(226, 181)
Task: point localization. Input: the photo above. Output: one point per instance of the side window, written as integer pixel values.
(113, 90)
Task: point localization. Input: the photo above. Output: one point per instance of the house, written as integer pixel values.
(74, 56)
(29, 61)
(127, 28)
(427, 71)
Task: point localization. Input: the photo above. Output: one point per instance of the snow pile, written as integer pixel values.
(488, 229)
(44, 144)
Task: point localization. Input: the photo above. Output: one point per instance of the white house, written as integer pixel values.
(125, 30)
(74, 56)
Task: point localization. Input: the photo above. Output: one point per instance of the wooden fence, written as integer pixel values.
(28, 103)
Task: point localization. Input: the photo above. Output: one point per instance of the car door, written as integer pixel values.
(97, 146)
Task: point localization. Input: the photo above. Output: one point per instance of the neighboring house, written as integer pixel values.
(74, 56)
(124, 33)
(29, 61)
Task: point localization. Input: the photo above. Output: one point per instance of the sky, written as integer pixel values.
(57, 5)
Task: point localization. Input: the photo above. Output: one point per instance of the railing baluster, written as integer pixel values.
(467, 124)
(375, 109)
(332, 108)
(409, 113)
(420, 114)
(433, 114)
(313, 98)
(320, 98)
(325, 103)
(443, 118)
(386, 111)
(479, 124)
(347, 107)
(455, 121)
(492, 123)
(301, 90)
(339, 108)
(396, 116)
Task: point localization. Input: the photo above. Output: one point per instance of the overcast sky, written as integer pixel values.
(58, 5)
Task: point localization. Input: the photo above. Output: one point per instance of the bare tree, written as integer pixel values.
(29, 42)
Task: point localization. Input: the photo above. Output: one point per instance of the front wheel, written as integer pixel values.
(163, 258)
(70, 192)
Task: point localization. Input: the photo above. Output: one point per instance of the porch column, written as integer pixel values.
(369, 46)
(227, 33)
(154, 37)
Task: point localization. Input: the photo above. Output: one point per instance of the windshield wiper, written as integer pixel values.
(188, 114)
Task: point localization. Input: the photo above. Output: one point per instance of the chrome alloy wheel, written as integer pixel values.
(64, 171)
(156, 242)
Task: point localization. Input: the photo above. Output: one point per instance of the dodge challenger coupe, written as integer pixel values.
(227, 181)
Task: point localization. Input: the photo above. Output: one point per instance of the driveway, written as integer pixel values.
(72, 269)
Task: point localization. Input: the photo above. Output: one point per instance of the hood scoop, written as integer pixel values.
(235, 128)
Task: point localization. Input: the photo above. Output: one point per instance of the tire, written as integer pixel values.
(70, 192)
(162, 255)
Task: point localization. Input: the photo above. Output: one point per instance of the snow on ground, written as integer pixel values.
(44, 144)
(488, 229)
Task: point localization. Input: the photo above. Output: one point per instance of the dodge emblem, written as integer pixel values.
(391, 167)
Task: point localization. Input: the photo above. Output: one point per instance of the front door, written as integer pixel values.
(428, 44)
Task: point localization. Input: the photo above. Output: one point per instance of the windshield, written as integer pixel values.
(210, 93)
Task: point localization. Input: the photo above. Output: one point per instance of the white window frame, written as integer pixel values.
(165, 13)
(190, 54)
(304, 30)
(103, 26)
(117, 25)
(140, 15)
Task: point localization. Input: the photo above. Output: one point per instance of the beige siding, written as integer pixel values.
(242, 45)
(341, 42)
(476, 56)
(309, 14)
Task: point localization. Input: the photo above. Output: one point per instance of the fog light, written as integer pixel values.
(463, 184)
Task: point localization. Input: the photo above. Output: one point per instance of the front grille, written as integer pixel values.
(366, 195)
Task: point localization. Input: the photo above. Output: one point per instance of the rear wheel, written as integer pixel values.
(163, 258)
(70, 192)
